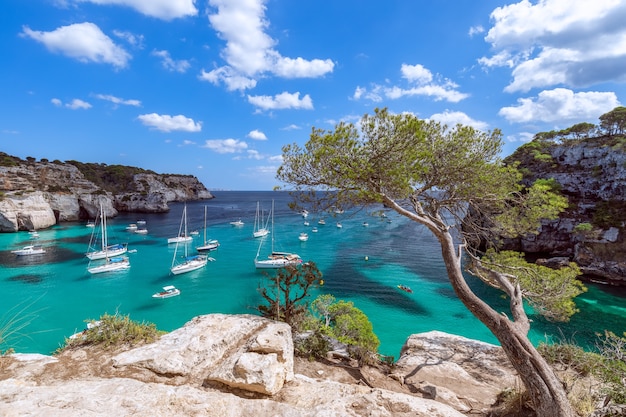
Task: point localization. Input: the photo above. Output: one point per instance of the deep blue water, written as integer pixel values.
(55, 294)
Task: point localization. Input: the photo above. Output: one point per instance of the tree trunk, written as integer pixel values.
(546, 391)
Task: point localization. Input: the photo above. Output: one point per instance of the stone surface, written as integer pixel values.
(177, 376)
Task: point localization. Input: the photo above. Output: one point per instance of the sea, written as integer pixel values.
(48, 297)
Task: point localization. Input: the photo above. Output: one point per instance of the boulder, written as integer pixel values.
(466, 374)
(245, 352)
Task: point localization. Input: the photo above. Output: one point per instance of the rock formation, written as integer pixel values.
(37, 195)
(225, 365)
(591, 232)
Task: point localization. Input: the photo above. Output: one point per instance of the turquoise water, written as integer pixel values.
(360, 264)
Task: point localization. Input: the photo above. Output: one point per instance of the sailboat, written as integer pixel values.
(259, 229)
(182, 236)
(110, 253)
(190, 262)
(210, 244)
(275, 259)
(105, 250)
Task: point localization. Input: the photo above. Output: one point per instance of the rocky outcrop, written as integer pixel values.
(37, 195)
(592, 174)
(224, 365)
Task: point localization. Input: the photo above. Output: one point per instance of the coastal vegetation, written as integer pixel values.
(114, 330)
(316, 325)
(435, 176)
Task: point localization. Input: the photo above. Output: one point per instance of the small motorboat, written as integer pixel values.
(237, 223)
(405, 288)
(29, 250)
(303, 237)
(168, 291)
(131, 227)
(339, 225)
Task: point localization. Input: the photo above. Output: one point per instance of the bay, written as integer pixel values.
(54, 294)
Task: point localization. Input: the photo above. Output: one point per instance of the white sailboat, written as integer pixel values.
(182, 236)
(190, 262)
(209, 244)
(112, 260)
(259, 229)
(275, 259)
(105, 250)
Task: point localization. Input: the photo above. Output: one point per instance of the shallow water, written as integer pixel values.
(364, 264)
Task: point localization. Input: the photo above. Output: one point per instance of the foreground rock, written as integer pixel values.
(224, 365)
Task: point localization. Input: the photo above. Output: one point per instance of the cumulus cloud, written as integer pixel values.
(249, 51)
(167, 123)
(170, 64)
(421, 82)
(257, 135)
(561, 105)
(226, 145)
(82, 41)
(75, 104)
(575, 43)
(452, 118)
(117, 100)
(283, 100)
(161, 9)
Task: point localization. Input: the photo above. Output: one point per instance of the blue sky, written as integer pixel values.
(215, 88)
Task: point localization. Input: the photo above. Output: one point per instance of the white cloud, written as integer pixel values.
(283, 100)
(166, 123)
(452, 118)
(226, 145)
(161, 9)
(226, 75)
(421, 83)
(75, 104)
(576, 43)
(475, 30)
(252, 154)
(291, 127)
(561, 105)
(249, 51)
(257, 135)
(130, 38)
(416, 73)
(82, 41)
(117, 100)
(170, 64)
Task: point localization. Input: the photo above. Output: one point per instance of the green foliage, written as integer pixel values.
(341, 320)
(115, 330)
(614, 122)
(286, 292)
(524, 212)
(610, 213)
(113, 178)
(583, 228)
(550, 292)
(8, 160)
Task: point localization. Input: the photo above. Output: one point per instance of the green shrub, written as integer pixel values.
(114, 330)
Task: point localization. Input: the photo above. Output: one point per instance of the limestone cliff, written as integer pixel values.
(591, 172)
(36, 195)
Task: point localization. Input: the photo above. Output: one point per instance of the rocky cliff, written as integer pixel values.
(591, 232)
(243, 365)
(36, 195)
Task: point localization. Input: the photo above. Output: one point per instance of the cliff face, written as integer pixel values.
(591, 232)
(36, 195)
